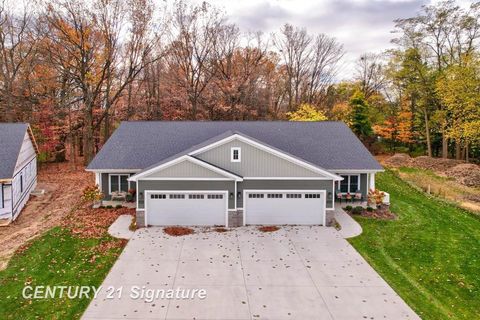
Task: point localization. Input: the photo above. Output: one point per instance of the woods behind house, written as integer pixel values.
(74, 69)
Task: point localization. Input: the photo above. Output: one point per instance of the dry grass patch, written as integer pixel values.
(268, 228)
(178, 231)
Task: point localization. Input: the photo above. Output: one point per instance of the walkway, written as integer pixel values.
(350, 227)
(121, 227)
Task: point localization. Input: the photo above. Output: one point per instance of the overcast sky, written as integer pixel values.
(361, 25)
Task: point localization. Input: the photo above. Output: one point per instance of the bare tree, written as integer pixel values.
(17, 47)
(326, 55)
(193, 34)
(295, 50)
(84, 43)
(370, 73)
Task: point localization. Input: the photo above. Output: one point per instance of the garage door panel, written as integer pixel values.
(299, 208)
(187, 209)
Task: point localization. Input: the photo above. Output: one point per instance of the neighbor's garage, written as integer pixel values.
(284, 207)
(192, 208)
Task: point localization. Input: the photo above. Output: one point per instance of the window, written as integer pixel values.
(21, 183)
(2, 205)
(215, 196)
(118, 182)
(255, 195)
(158, 196)
(294, 195)
(274, 195)
(312, 196)
(350, 183)
(195, 196)
(236, 154)
(177, 196)
(354, 183)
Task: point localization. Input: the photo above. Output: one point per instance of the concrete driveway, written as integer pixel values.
(293, 273)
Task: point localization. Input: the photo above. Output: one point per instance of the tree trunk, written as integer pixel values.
(427, 133)
(458, 149)
(444, 145)
(88, 132)
(467, 159)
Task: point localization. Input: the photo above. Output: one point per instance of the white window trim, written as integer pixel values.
(2, 205)
(110, 181)
(349, 184)
(232, 150)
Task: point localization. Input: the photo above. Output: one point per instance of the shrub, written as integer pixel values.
(129, 197)
(375, 197)
(92, 194)
(370, 209)
(118, 206)
(357, 210)
(109, 207)
(348, 208)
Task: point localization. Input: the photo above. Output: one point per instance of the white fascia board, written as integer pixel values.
(270, 150)
(113, 170)
(357, 170)
(288, 178)
(181, 159)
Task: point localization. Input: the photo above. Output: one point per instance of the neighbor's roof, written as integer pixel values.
(11, 139)
(141, 144)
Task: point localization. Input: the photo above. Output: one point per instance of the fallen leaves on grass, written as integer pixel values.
(87, 222)
(178, 231)
(268, 228)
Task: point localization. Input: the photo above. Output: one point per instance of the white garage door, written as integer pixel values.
(282, 207)
(192, 208)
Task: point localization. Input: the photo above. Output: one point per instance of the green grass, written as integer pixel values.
(55, 258)
(430, 255)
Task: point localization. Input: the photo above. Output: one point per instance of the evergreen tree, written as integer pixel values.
(360, 123)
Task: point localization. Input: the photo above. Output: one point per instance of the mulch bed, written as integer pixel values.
(382, 213)
(268, 228)
(220, 229)
(178, 231)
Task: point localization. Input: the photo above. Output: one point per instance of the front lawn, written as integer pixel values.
(430, 255)
(56, 258)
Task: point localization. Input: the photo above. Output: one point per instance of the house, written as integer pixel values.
(216, 173)
(18, 168)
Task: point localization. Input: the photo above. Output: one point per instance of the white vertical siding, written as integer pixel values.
(27, 152)
(6, 211)
(23, 183)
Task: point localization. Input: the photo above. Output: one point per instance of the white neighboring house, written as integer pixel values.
(18, 168)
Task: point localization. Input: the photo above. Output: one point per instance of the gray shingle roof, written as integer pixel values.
(138, 145)
(11, 139)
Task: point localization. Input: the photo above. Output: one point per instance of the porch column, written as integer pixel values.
(372, 181)
(98, 177)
